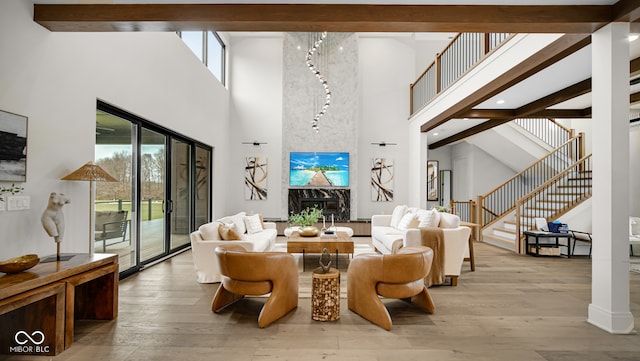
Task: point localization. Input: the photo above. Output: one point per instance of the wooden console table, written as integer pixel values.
(38, 307)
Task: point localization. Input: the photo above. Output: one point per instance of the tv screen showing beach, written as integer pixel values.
(319, 169)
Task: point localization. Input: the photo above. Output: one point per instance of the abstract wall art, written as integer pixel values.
(255, 179)
(381, 180)
(13, 147)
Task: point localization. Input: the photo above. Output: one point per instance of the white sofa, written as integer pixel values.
(389, 234)
(634, 233)
(204, 241)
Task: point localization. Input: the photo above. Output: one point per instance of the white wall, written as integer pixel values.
(255, 74)
(54, 79)
(481, 172)
(386, 70)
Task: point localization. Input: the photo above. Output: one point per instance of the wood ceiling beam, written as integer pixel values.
(491, 123)
(488, 114)
(494, 122)
(563, 113)
(559, 49)
(626, 10)
(323, 17)
(534, 108)
(634, 67)
(560, 96)
(512, 113)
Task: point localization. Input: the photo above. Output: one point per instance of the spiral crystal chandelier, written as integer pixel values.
(317, 39)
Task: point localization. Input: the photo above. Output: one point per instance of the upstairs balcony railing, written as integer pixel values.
(462, 53)
(502, 200)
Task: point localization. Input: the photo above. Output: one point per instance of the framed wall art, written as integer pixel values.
(432, 180)
(13, 147)
(255, 179)
(381, 180)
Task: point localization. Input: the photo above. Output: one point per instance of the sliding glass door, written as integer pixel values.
(153, 203)
(181, 186)
(164, 187)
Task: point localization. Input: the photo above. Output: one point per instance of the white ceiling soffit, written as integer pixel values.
(568, 71)
(452, 127)
(579, 102)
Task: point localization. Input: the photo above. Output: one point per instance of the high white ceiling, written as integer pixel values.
(569, 71)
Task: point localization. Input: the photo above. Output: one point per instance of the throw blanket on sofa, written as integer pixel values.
(433, 237)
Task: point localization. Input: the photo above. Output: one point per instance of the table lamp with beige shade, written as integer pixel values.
(90, 172)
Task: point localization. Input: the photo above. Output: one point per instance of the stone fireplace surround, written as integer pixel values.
(332, 201)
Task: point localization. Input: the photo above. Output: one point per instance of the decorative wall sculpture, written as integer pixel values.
(255, 179)
(13, 147)
(382, 180)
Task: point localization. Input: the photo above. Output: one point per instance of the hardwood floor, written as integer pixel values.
(511, 308)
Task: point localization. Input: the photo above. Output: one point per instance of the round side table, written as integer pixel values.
(325, 296)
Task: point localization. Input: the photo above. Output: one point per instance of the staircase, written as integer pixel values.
(548, 188)
(553, 200)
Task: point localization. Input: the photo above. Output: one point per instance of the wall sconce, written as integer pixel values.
(384, 144)
(255, 143)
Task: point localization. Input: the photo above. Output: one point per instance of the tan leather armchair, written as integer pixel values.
(399, 275)
(257, 273)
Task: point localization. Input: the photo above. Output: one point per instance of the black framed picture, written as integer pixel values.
(13, 147)
(432, 180)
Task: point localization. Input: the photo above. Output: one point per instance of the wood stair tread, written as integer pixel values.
(505, 230)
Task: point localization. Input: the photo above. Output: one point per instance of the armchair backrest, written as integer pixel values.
(238, 264)
(407, 265)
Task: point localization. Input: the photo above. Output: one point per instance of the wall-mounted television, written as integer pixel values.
(319, 169)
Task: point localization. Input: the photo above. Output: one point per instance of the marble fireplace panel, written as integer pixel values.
(299, 197)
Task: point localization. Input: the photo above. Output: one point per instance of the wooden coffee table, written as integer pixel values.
(342, 243)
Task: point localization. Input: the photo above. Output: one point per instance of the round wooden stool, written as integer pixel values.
(325, 296)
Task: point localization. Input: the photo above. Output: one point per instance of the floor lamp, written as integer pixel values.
(90, 172)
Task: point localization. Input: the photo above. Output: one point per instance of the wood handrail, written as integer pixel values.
(567, 130)
(553, 180)
(437, 61)
(532, 165)
(519, 205)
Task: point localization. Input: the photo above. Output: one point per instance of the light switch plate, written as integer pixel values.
(18, 203)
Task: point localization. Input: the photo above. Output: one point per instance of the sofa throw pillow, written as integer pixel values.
(209, 231)
(228, 233)
(253, 224)
(238, 220)
(448, 220)
(406, 221)
(397, 215)
(425, 218)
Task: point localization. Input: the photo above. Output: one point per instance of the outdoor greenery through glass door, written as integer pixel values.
(152, 194)
(114, 153)
(164, 197)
